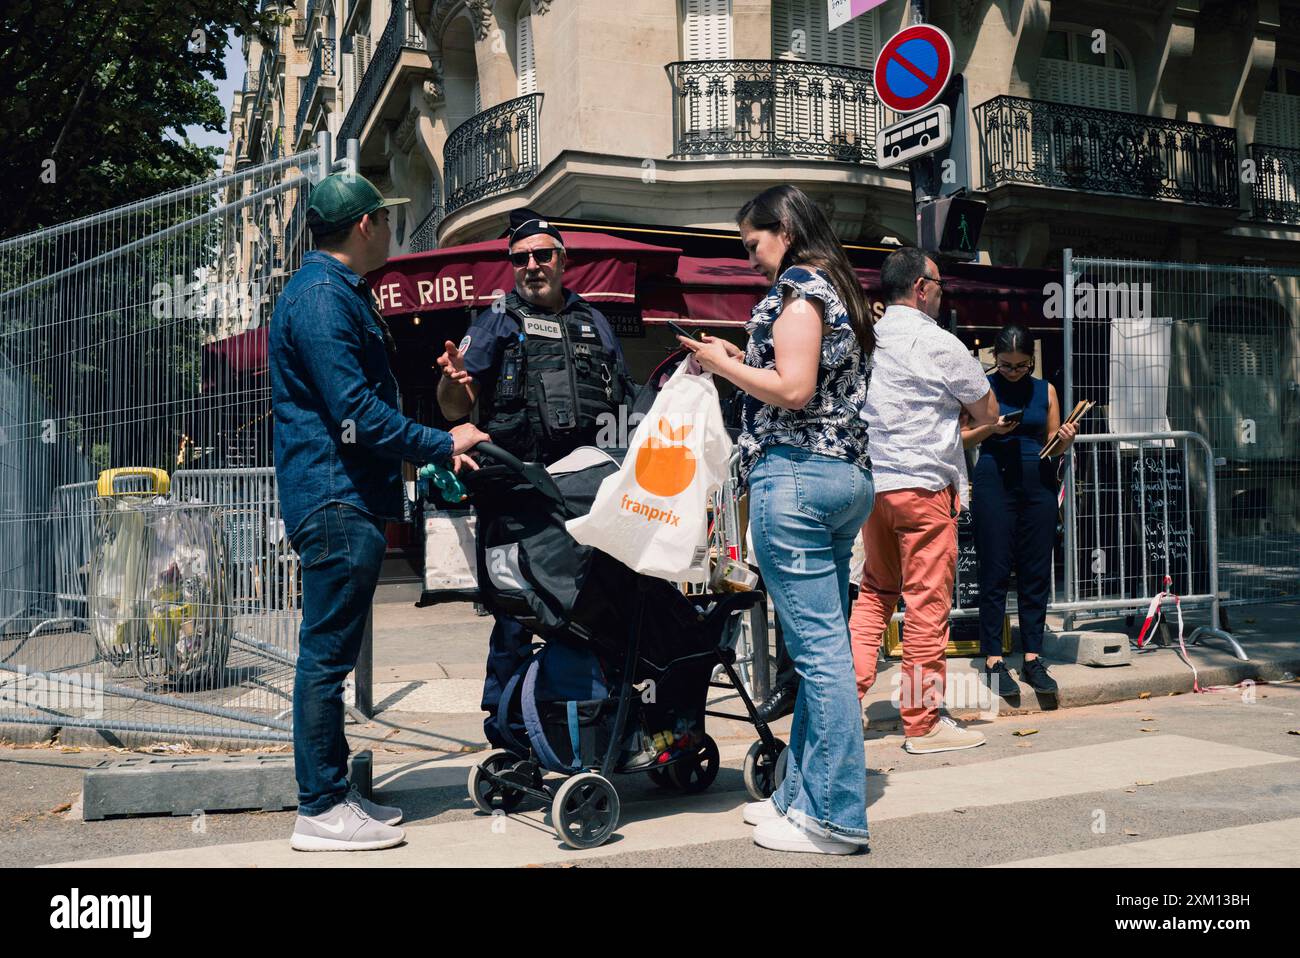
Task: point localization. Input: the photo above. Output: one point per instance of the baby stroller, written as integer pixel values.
(620, 681)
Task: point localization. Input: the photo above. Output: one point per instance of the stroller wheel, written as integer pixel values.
(696, 772)
(661, 777)
(764, 769)
(585, 810)
(489, 796)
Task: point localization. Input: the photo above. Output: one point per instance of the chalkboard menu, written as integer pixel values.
(1162, 534)
(966, 587)
(1130, 511)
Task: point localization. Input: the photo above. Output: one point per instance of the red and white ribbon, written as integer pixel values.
(1154, 614)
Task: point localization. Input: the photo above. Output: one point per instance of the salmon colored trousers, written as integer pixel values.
(911, 546)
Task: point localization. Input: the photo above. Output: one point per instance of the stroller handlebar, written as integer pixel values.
(496, 453)
(534, 473)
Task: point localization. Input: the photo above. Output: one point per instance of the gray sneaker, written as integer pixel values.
(344, 828)
(388, 814)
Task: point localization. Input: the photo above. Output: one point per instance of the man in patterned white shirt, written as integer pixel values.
(922, 378)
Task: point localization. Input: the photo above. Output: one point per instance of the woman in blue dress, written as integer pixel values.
(1014, 504)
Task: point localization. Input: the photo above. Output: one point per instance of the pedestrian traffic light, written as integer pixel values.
(951, 226)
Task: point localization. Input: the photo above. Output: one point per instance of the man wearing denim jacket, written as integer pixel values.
(339, 443)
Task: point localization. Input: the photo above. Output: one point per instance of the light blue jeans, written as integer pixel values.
(805, 511)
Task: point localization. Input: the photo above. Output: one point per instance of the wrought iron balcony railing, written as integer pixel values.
(1276, 190)
(266, 70)
(1105, 151)
(425, 235)
(774, 109)
(402, 32)
(492, 152)
(322, 64)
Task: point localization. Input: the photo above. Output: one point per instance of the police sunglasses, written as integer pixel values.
(543, 256)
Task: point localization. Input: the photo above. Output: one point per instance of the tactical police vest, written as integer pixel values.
(555, 381)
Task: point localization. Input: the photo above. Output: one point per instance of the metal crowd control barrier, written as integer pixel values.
(1140, 508)
(120, 344)
(1133, 515)
(1209, 348)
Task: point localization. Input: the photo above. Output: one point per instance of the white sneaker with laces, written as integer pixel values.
(783, 835)
(344, 828)
(758, 812)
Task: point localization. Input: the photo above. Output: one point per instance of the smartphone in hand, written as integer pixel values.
(1016, 415)
(680, 330)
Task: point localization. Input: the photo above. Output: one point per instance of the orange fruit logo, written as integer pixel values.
(665, 467)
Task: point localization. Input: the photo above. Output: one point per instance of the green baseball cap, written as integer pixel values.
(341, 199)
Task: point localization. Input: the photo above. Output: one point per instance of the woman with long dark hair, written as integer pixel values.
(804, 456)
(1014, 504)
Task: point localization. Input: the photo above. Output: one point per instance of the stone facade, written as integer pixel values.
(600, 142)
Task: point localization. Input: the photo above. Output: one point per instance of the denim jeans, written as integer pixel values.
(805, 510)
(341, 549)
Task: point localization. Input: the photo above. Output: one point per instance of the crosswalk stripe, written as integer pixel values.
(678, 821)
(1071, 771)
(1261, 845)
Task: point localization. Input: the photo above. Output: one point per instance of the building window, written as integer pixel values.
(525, 56)
(800, 31)
(1070, 72)
(1278, 123)
(706, 29)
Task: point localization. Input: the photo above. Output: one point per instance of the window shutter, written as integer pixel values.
(525, 58)
(1279, 120)
(706, 35)
(362, 50)
(1082, 84)
(706, 30)
(851, 45)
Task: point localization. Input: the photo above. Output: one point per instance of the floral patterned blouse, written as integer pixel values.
(830, 423)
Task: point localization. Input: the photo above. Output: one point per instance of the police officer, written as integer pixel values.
(544, 367)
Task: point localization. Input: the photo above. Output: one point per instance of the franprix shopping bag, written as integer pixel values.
(651, 515)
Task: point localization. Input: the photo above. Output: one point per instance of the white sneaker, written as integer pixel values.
(783, 835)
(344, 828)
(758, 812)
(946, 736)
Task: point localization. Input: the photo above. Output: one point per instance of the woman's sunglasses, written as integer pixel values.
(1015, 367)
(543, 256)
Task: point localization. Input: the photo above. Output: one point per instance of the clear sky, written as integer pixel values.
(226, 91)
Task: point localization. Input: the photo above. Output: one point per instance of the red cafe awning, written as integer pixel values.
(242, 356)
(723, 291)
(601, 268)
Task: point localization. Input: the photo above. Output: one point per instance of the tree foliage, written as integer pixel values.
(104, 89)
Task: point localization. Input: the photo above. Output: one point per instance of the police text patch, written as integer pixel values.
(542, 327)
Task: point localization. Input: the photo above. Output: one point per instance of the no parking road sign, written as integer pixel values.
(913, 68)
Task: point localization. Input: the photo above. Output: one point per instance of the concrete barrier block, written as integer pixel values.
(1101, 649)
(152, 785)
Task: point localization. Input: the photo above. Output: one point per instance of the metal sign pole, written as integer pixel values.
(1067, 330)
(918, 11)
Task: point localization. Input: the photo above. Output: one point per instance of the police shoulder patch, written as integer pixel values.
(464, 343)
